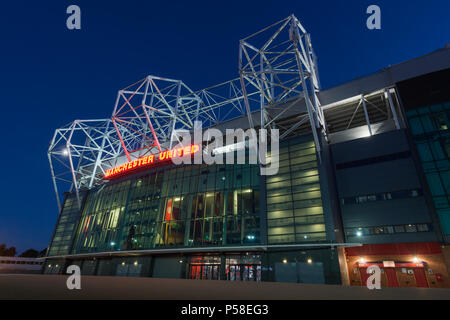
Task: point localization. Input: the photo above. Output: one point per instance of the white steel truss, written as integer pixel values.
(277, 70)
(366, 109)
(81, 152)
(279, 63)
(151, 109)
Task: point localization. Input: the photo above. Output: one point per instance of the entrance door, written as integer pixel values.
(244, 272)
(421, 279)
(195, 272)
(391, 277)
(234, 273)
(204, 271)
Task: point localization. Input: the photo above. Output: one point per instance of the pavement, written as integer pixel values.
(44, 287)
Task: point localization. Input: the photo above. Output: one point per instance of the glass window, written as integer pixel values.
(279, 214)
(424, 152)
(440, 120)
(411, 228)
(435, 185)
(437, 151)
(281, 239)
(362, 199)
(427, 123)
(414, 193)
(416, 126)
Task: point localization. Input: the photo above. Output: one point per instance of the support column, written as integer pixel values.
(223, 267)
(343, 266)
(224, 219)
(262, 210)
(366, 114)
(394, 112)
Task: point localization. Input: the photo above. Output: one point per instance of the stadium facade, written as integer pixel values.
(364, 176)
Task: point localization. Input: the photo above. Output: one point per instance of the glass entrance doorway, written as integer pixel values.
(244, 272)
(244, 267)
(203, 271)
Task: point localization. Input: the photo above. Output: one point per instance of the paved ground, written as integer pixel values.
(54, 287)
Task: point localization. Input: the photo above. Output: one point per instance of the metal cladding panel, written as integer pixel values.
(391, 212)
(375, 178)
(434, 61)
(377, 164)
(386, 143)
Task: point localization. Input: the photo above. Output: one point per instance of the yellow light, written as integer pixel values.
(123, 263)
(416, 260)
(284, 260)
(362, 260)
(310, 260)
(135, 263)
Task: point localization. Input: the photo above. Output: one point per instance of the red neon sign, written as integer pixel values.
(152, 159)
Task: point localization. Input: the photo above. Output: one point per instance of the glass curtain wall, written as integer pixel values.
(209, 206)
(294, 204)
(100, 224)
(196, 205)
(67, 223)
(430, 129)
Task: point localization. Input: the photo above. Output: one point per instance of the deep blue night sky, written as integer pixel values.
(51, 75)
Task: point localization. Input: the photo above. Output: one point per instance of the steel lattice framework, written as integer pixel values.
(151, 109)
(283, 70)
(81, 152)
(277, 71)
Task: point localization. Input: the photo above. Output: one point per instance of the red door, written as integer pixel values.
(391, 277)
(195, 272)
(364, 276)
(421, 279)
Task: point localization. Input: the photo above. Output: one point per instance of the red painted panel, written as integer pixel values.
(391, 277)
(421, 279)
(395, 249)
(364, 276)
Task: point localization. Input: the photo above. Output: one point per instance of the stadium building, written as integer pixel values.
(363, 178)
